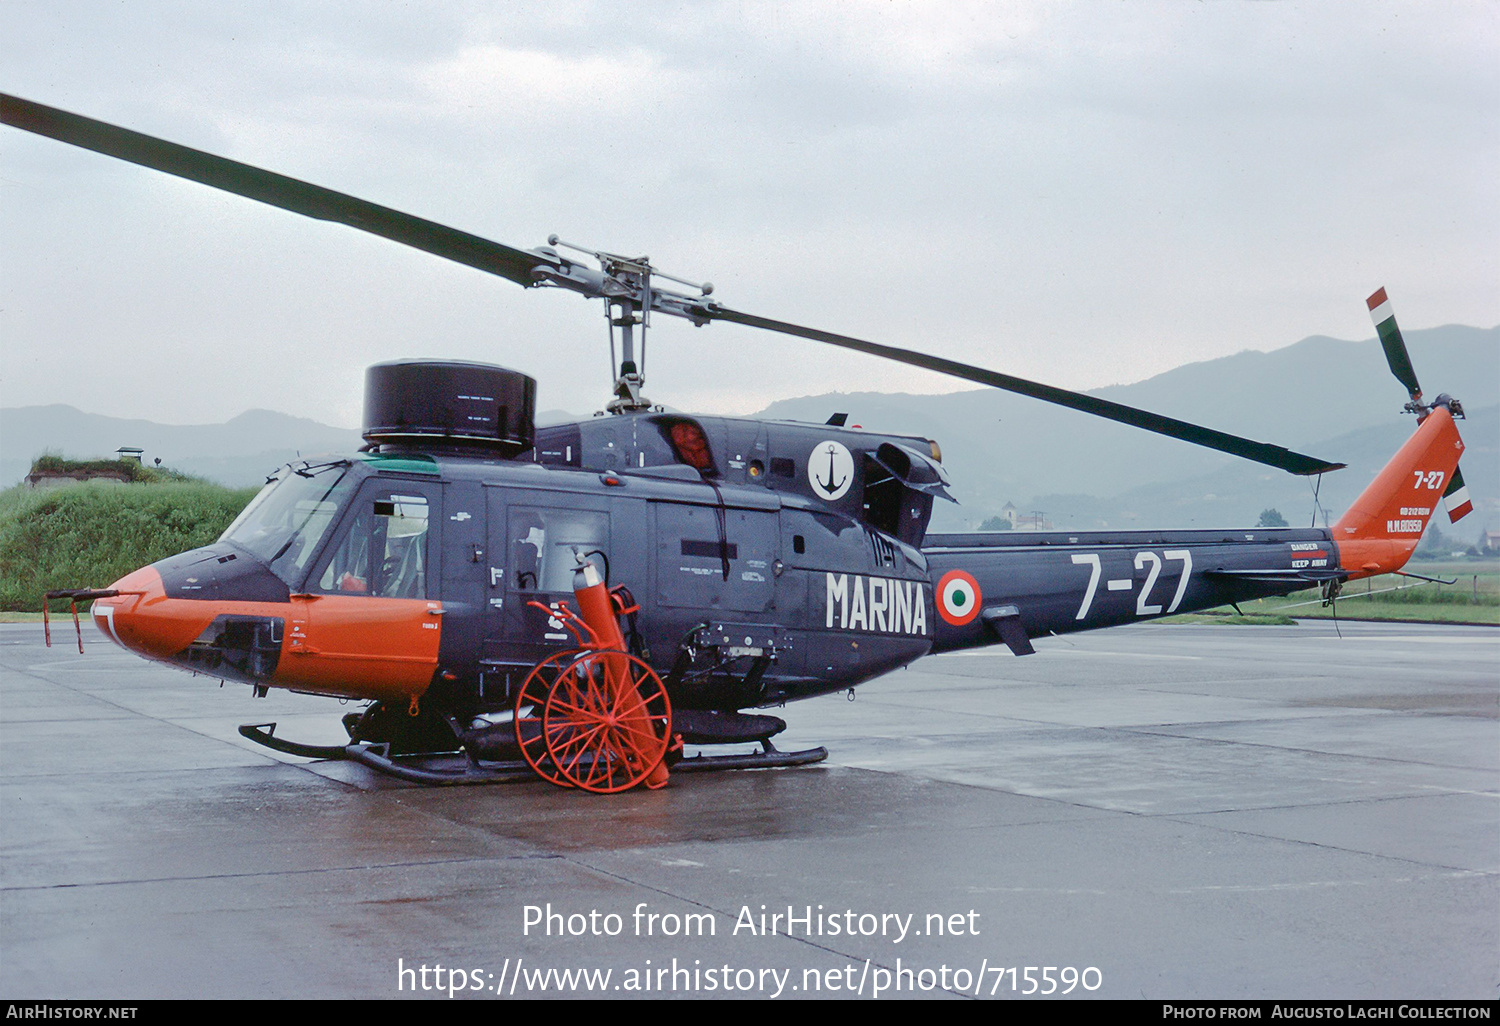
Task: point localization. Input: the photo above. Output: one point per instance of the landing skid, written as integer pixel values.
(454, 768)
(446, 769)
(265, 734)
(769, 757)
(429, 768)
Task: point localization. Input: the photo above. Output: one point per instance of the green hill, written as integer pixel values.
(90, 535)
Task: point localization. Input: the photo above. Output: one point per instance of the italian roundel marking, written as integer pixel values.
(958, 598)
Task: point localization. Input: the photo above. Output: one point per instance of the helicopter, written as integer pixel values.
(582, 601)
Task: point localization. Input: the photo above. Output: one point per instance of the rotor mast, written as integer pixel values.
(625, 285)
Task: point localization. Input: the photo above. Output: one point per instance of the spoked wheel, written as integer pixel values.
(530, 703)
(606, 722)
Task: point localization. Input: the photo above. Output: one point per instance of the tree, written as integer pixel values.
(1271, 518)
(995, 524)
(1435, 543)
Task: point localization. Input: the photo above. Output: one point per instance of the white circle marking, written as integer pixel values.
(830, 470)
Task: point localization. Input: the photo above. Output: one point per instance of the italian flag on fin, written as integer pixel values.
(1456, 498)
(1380, 307)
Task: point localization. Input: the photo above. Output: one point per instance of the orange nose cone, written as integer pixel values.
(142, 618)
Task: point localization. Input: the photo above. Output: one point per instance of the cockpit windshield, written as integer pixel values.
(285, 523)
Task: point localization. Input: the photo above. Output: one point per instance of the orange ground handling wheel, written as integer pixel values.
(606, 723)
(531, 701)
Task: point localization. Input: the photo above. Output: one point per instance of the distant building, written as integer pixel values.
(52, 471)
(1036, 520)
(47, 478)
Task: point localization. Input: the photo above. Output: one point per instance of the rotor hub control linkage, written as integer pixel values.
(629, 293)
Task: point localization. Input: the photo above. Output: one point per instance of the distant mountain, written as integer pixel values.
(1000, 447)
(1320, 396)
(239, 453)
(1232, 497)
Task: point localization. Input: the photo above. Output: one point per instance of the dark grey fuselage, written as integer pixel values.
(792, 561)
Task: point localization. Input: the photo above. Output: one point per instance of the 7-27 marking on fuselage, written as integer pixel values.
(1143, 561)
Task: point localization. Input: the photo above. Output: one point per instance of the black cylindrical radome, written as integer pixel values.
(417, 402)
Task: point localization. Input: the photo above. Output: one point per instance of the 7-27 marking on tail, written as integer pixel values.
(1143, 560)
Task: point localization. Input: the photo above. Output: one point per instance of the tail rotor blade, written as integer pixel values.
(1456, 498)
(1392, 342)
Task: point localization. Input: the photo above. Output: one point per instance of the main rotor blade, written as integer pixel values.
(1391, 341)
(268, 187)
(520, 266)
(1260, 452)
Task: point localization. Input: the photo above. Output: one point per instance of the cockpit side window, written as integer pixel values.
(287, 521)
(383, 552)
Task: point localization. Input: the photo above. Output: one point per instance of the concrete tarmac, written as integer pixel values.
(1145, 812)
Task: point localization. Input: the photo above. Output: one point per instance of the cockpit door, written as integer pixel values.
(367, 624)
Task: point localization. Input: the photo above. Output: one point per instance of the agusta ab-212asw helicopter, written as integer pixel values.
(583, 599)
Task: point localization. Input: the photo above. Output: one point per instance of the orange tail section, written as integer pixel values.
(1379, 532)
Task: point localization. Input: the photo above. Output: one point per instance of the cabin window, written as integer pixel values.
(384, 552)
(544, 542)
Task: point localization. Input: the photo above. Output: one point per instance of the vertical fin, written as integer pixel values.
(1379, 532)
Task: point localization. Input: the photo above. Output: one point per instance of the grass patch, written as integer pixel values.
(1402, 611)
(129, 470)
(1474, 597)
(92, 534)
(1226, 616)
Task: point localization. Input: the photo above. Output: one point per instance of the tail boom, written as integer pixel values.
(1019, 585)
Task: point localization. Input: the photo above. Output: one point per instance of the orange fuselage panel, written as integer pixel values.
(347, 646)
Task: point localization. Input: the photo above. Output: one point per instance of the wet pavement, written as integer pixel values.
(1150, 811)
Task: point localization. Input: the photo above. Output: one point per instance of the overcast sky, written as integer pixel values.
(1082, 194)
